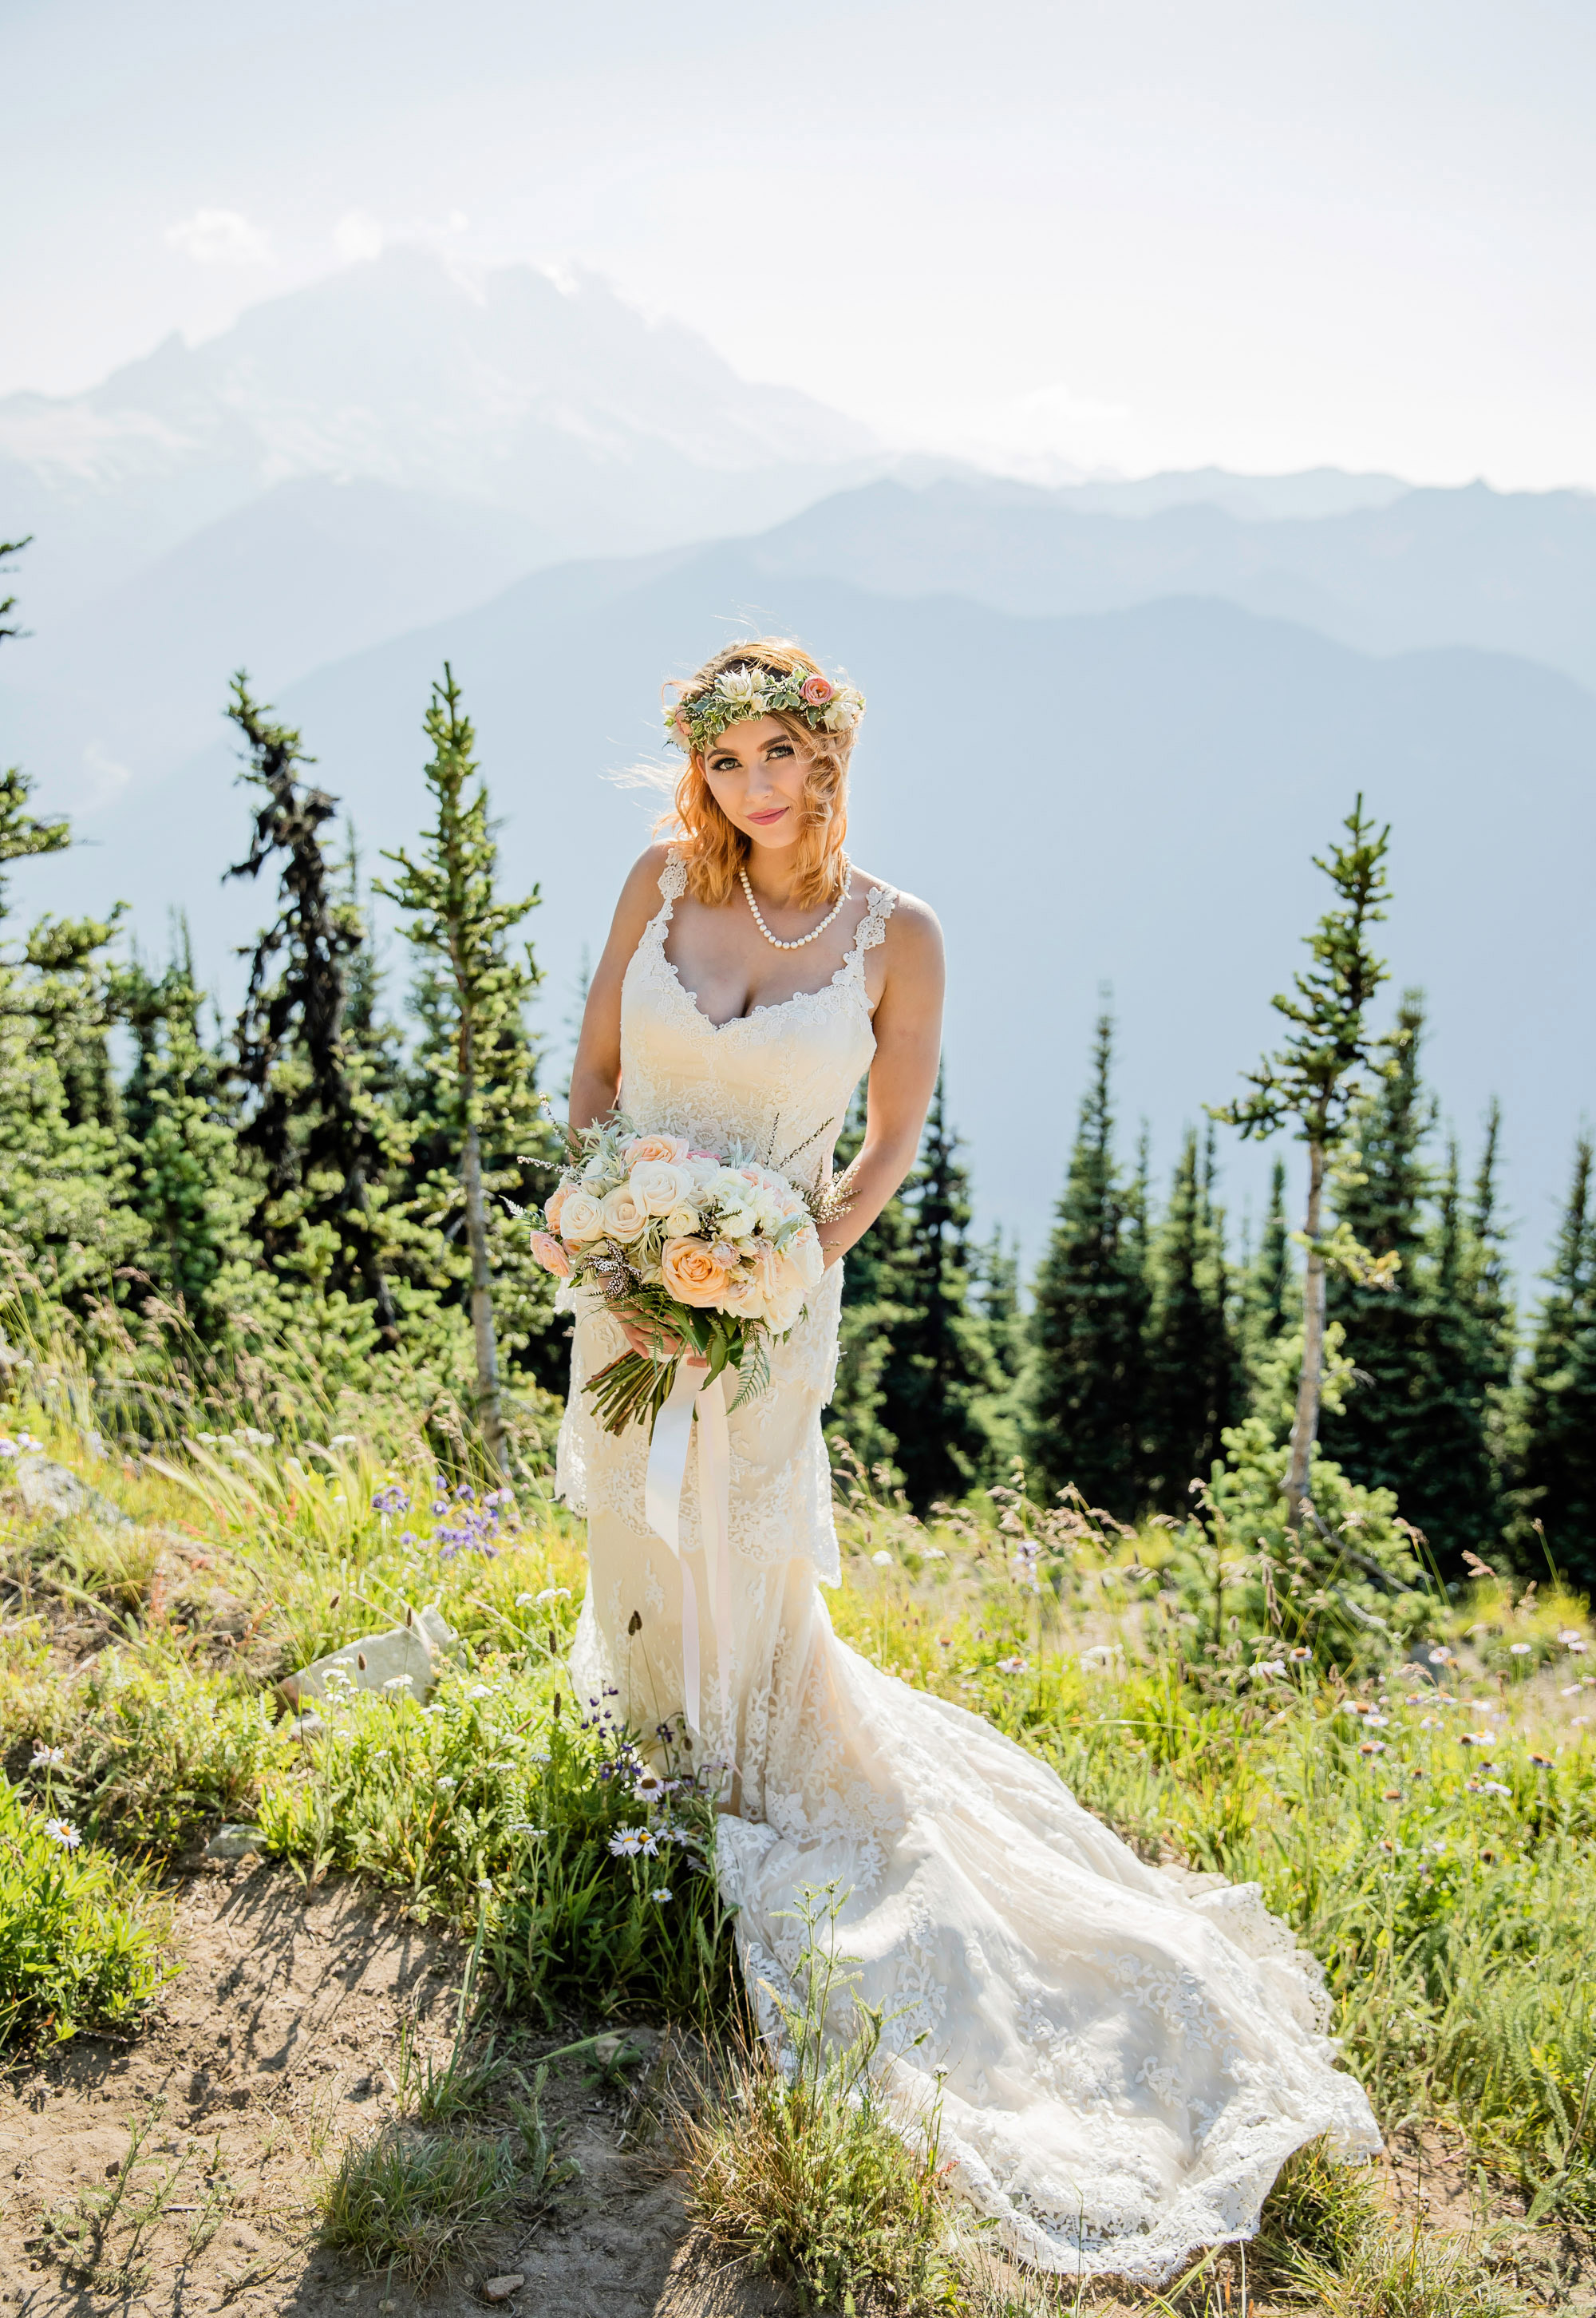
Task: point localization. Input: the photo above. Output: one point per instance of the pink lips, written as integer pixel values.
(764, 819)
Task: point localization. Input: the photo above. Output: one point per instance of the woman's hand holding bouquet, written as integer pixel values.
(701, 1255)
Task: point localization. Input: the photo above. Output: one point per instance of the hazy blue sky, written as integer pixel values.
(1137, 233)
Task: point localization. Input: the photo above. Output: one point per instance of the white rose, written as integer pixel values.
(736, 1223)
(659, 1186)
(581, 1216)
(784, 1301)
(805, 1252)
(681, 1223)
(625, 1218)
(741, 1297)
(741, 684)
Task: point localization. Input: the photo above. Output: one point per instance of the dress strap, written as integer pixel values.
(873, 928)
(673, 885)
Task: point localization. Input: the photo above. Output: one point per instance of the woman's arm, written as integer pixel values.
(596, 1074)
(903, 1075)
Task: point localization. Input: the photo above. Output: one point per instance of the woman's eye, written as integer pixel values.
(725, 764)
(779, 748)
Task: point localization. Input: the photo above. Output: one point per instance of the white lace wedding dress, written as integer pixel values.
(1128, 2058)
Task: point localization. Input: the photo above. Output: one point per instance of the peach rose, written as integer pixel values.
(691, 1274)
(660, 1184)
(672, 1148)
(817, 691)
(581, 1216)
(553, 1210)
(625, 1218)
(547, 1250)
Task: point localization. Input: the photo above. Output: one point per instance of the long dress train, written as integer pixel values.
(1129, 2059)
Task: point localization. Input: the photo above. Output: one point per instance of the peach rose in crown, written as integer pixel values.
(689, 1273)
(817, 691)
(547, 1250)
(670, 1148)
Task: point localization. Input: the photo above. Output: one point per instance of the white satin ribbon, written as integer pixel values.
(695, 1408)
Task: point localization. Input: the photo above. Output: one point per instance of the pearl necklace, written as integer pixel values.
(804, 939)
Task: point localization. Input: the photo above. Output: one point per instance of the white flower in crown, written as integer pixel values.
(741, 684)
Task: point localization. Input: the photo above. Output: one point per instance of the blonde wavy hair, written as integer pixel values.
(713, 851)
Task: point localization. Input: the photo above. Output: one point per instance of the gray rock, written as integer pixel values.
(404, 1658)
(58, 1494)
(499, 2289)
(235, 1843)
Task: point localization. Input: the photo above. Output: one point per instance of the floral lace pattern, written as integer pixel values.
(780, 1079)
(1123, 2055)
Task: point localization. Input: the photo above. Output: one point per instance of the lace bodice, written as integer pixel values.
(779, 1078)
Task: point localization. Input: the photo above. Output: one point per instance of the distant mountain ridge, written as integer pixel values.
(564, 406)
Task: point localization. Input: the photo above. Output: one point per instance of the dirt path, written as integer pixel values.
(280, 2037)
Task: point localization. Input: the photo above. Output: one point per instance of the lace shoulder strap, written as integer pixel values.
(873, 925)
(673, 885)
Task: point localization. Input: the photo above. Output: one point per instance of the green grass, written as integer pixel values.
(1449, 1890)
(79, 1931)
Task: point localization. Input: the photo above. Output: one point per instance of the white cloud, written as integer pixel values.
(221, 238)
(357, 234)
(105, 778)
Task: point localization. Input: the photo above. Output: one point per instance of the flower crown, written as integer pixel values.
(754, 690)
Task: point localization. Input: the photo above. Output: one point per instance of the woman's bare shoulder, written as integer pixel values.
(913, 929)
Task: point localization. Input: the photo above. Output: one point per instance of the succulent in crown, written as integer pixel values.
(699, 717)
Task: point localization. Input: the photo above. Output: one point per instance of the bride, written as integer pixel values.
(1128, 2060)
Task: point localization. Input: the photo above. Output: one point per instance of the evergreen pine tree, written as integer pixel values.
(876, 1288)
(1557, 1480)
(1270, 1297)
(1315, 1081)
(1381, 1192)
(1085, 1387)
(65, 1162)
(942, 1383)
(1192, 1364)
(186, 1185)
(318, 1142)
(477, 1106)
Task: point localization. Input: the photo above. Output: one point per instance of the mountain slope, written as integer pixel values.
(606, 431)
(1130, 798)
(1508, 571)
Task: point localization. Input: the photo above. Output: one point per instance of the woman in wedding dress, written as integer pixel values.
(1128, 2059)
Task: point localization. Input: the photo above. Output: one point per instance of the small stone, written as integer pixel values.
(499, 2289)
(235, 1843)
(308, 1726)
(405, 1659)
(60, 1494)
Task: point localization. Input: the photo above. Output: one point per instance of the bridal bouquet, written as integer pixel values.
(717, 1253)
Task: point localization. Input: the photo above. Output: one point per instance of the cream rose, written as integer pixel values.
(581, 1216)
(806, 1253)
(643, 1148)
(691, 1274)
(625, 1218)
(786, 1301)
(681, 1223)
(742, 1297)
(660, 1184)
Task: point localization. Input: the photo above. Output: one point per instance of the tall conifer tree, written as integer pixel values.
(1192, 1360)
(1559, 1398)
(1086, 1385)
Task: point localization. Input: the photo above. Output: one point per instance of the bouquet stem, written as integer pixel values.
(632, 1390)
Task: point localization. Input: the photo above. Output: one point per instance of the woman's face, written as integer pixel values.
(756, 774)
